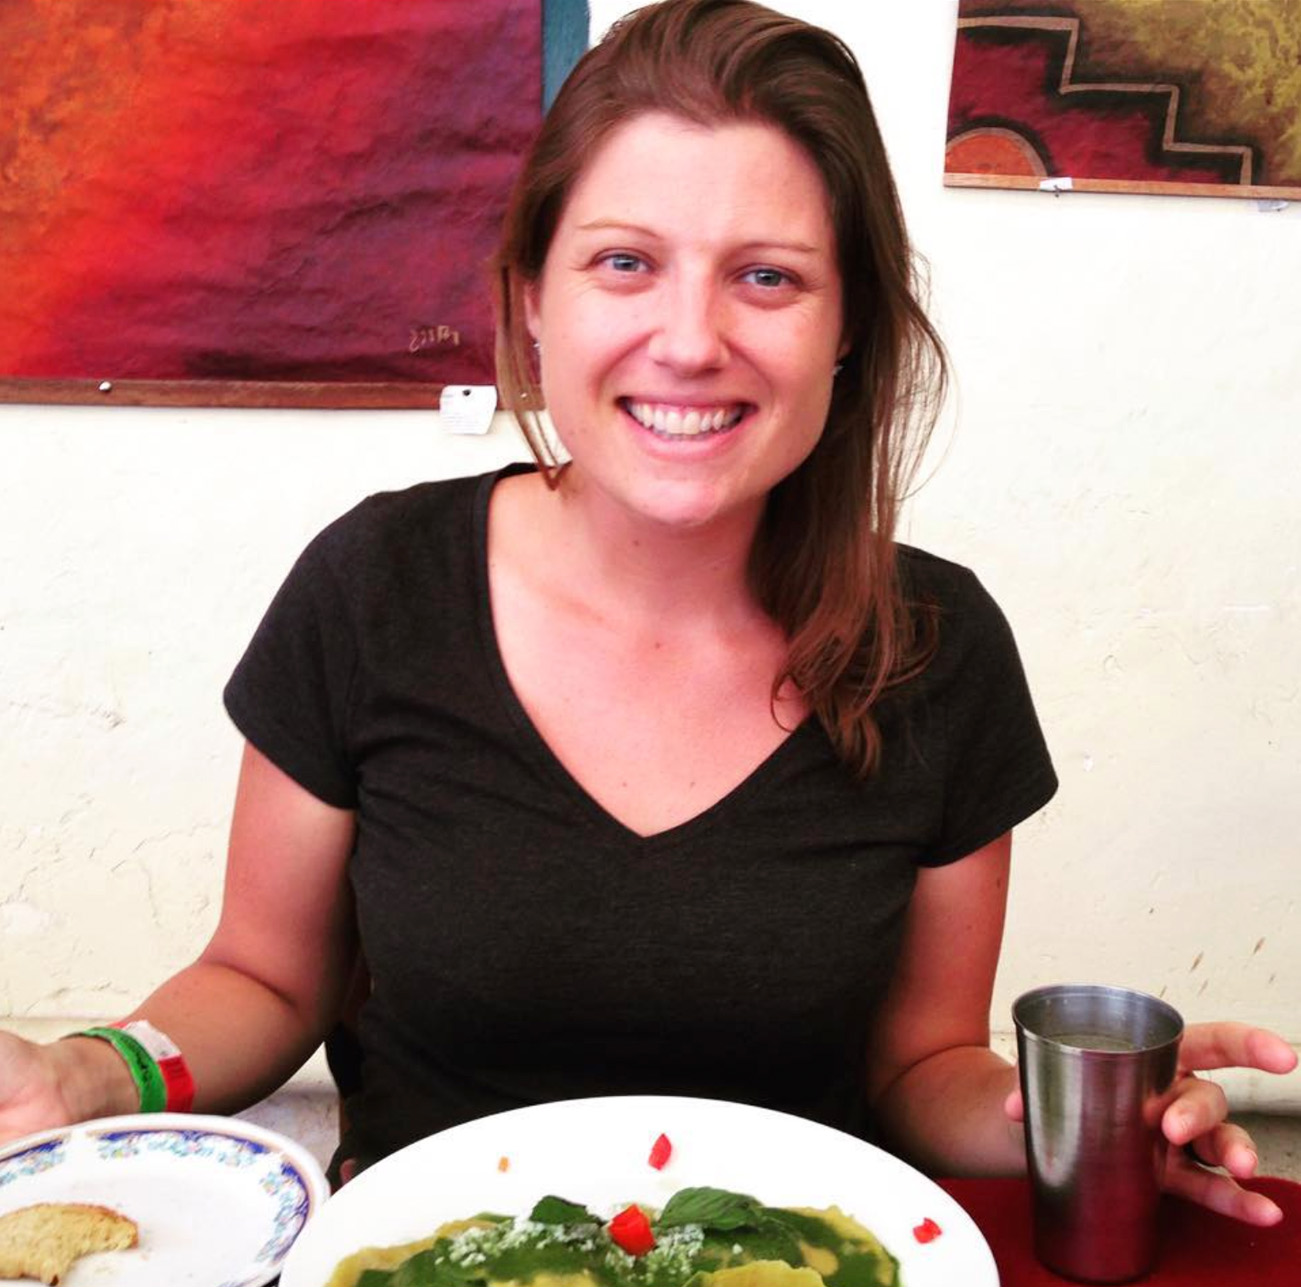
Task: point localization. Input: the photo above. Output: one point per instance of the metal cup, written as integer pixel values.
(1097, 1064)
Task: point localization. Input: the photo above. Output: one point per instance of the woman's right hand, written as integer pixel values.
(46, 1086)
(31, 1098)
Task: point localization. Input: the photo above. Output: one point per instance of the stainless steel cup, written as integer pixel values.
(1096, 1067)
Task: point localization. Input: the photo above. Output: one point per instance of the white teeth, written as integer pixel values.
(672, 422)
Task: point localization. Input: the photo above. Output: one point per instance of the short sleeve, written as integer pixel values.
(997, 770)
(290, 693)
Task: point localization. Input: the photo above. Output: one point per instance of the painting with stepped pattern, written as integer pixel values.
(1194, 97)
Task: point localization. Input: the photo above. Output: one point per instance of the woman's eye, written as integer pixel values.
(768, 278)
(623, 262)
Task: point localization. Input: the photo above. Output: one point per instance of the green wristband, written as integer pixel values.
(142, 1066)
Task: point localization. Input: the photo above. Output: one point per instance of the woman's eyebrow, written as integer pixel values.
(798, 247)
(617, 225)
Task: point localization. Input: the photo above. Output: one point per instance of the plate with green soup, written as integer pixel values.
(645, 1191)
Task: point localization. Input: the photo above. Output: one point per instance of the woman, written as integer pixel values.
(664, 769)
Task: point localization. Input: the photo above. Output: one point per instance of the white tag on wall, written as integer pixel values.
(467, 408)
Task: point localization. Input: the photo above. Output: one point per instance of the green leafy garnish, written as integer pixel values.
(711, 1209)
(431, 1268)
(554, 1210)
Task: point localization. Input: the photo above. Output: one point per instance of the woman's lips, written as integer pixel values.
(673, 421)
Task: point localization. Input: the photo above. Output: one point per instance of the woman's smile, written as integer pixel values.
(671, 421)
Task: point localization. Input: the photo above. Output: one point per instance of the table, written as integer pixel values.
(1198, 1247)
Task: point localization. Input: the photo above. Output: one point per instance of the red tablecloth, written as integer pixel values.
(1198, 1247)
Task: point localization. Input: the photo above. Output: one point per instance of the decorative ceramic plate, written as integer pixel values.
(596, 1152)
(218, 1201)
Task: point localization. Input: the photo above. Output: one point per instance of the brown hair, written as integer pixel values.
(824, 560)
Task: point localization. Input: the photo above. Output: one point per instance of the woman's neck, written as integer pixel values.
(648, 572)
(651, 567)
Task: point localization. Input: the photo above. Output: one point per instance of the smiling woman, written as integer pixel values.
(666, 769)
(821, 560)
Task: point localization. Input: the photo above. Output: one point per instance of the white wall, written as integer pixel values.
(1119, 465)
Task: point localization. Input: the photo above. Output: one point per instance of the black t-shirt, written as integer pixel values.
(524, 945)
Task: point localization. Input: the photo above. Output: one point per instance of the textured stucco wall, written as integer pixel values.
(1119, 463)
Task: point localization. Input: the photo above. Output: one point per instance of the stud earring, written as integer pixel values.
(837, 369)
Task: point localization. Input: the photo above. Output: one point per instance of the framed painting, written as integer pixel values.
(261, 202)
(1191, 97)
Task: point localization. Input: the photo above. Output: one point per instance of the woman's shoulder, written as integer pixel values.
(932, 580)
(971, 628)
(427, 518)
(384, 515)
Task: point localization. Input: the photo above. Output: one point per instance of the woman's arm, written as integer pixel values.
(936, 1088)
(952, 1106)
(259, 998)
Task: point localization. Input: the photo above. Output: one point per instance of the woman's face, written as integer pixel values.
(689, 316)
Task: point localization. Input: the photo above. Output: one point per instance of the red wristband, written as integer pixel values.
(177, 1078)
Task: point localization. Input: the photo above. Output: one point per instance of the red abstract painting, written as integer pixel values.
(1197, 97)
(257, 200)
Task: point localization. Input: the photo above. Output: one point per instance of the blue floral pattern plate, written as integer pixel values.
(218, 1201)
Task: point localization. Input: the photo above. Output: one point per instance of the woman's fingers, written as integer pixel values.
(1218, 1192)
(1229, 1146)
(1234, 1045)
(1014, 1106)
(1196, 1120)
(1198, 1115)
(1199, 1106)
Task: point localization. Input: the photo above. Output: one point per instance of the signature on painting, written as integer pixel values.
(429, 337)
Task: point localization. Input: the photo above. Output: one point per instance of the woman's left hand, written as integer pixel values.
(1198, 1116)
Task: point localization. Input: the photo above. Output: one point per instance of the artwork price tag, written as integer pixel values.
(467, 408)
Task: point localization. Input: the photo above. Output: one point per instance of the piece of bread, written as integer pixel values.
(44, 1240)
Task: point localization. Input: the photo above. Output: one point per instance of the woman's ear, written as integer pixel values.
(532, 313)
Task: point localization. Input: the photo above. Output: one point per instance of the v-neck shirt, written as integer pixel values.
(524, 944)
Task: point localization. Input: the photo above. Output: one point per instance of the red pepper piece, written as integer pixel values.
(660, 1152)
(631, 1230)
(927, 1231)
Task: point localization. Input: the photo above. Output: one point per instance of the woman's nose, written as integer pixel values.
(690, 331)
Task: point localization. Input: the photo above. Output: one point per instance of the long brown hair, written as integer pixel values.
(824, 561)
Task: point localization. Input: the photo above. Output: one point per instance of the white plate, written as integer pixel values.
(218, 1201)
(595, 1151)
